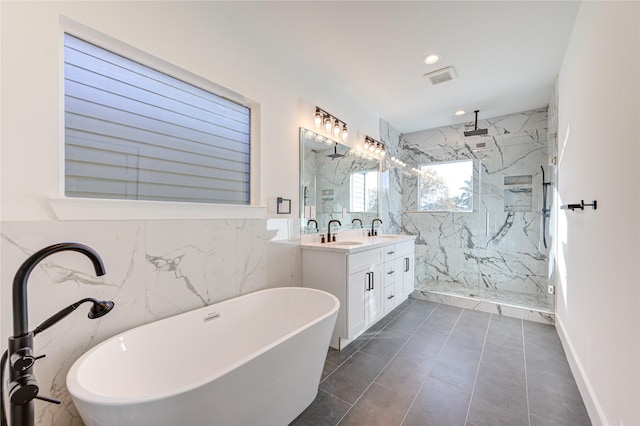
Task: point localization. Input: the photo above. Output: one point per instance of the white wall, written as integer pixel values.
(598, 306)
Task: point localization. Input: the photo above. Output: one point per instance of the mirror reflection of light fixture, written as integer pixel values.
(332, 125)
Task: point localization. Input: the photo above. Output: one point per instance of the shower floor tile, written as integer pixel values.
(526, 300)
(435, 364)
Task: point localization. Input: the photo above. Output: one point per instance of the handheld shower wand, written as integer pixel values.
(546, 212)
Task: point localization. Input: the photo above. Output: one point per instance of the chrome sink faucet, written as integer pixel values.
(329, 228)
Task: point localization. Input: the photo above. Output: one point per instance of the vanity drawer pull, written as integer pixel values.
(390, 252)
(390, 297)
(390, 272)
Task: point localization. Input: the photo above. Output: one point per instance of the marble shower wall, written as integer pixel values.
(155, 269)
(499, 244)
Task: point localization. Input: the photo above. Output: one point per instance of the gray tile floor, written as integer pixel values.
(433, 364)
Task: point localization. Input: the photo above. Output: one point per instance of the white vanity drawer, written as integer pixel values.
(389, 298)
(389, 252)
(389, 272)
(364, 260)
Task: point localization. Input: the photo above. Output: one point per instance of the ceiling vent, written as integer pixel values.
(441, 75)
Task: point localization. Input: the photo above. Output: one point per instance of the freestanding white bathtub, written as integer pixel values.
(253, 360)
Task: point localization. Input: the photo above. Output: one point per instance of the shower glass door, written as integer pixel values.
(512, 260)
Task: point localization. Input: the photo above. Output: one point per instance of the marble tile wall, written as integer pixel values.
(391, 190)
(155, 269)
(496, 247)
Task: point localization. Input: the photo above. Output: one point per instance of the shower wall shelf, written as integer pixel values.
(580, 206)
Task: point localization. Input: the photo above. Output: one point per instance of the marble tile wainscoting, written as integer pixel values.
(155, 269)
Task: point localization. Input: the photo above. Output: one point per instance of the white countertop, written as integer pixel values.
(356, 244)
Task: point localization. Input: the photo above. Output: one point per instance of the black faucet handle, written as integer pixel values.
(47, 399)
(22, 359)
(23, 390)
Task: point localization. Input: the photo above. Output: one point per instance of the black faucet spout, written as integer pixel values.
(373, 231)
(314, 222)
(329, 228)
(20, 317)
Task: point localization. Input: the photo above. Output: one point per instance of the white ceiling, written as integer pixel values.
(506, 53)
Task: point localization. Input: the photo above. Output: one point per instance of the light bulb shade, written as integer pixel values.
(344, 134)
(318, 119)
(378, 149)
(336, 128)
(327, 124)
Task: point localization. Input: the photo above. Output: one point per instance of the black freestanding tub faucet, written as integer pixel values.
(23, 388)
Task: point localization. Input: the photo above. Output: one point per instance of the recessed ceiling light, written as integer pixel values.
(432, 58)
(459, 112)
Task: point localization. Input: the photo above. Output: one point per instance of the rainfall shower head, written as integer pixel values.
(476, 131)
(335, 153)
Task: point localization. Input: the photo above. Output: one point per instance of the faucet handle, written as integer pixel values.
(22, 359)
(23, 390)
(47, 399)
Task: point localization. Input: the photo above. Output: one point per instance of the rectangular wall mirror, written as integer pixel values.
(336, 182)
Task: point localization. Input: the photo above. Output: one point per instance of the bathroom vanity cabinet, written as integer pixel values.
(370, 278)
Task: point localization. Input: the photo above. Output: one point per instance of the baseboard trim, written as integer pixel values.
(594, 409)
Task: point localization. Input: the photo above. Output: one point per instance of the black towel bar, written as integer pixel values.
(580, 206)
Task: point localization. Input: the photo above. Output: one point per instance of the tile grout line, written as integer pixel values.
(475, 380)
(392, 358)
(358, 350)
(434, 362)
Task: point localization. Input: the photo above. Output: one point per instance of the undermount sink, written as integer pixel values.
(346, 243)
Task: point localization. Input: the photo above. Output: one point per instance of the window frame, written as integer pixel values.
(76, 208)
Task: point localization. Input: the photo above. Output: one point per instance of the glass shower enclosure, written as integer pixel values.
(500, 249)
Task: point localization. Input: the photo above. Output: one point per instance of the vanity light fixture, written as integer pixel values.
(372, 147)
(332, 125)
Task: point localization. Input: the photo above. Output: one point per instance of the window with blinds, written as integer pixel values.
(132, 132)
(364, 191)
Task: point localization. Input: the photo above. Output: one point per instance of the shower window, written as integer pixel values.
(446, 186)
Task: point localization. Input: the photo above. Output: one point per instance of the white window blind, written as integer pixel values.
(357, 192)
(364, 191)
(132, 132)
